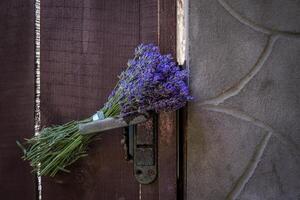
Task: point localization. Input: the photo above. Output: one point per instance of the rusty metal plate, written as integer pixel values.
(142, 147)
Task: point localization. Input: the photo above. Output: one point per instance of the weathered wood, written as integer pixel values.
(85, 43)
(149, 34)
(167, 131)
(17, 96)
(162, 31)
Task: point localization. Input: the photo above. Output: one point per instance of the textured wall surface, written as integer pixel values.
(244, 124)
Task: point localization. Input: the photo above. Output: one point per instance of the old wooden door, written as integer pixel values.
(16, 96)
(85, 44)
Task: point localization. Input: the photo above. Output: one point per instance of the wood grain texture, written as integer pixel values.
(167, 130)
(17, 96)
(85, 44)
(160, 28)
(149, 34)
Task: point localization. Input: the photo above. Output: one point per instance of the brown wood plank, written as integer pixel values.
(17, 96)
(149, 34)
(160, 28)
(167, 130)
(85, 44)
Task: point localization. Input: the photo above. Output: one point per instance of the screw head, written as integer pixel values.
(151, 172)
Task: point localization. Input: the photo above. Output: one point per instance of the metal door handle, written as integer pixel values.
(108, 124)
(141, 134)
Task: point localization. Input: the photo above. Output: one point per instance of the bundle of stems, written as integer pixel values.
(151, 82)
(57, 147)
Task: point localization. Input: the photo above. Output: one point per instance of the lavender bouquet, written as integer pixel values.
(151, 83)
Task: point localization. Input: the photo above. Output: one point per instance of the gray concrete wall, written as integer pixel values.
(243, 130)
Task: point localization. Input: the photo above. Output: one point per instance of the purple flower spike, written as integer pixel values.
(152, 82)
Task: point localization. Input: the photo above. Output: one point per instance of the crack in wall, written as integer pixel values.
(257, 155)
(240, 115)
(259, 150)
(250, 168)
(255, 26)
(213, 103)
(246, 117)
(236, 89)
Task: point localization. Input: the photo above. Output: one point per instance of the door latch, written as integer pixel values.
(140, 139)
(142, 149)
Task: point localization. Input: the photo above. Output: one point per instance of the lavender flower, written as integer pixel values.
(152, 82)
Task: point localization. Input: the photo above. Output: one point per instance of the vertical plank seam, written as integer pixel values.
(140, 185)
(158, 21)
(140, 191)
(37, 86)
(140, 27)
